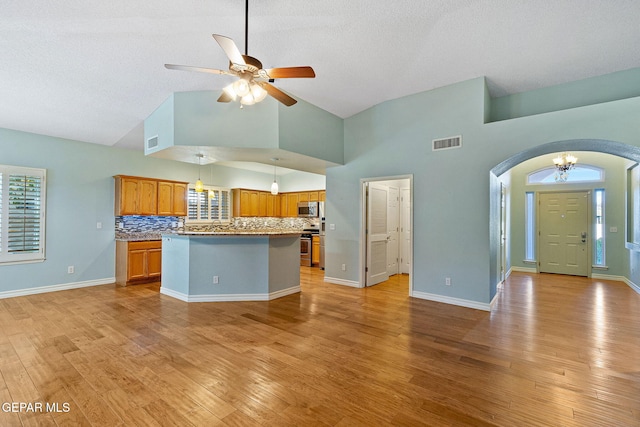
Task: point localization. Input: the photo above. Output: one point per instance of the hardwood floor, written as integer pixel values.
(555, 351)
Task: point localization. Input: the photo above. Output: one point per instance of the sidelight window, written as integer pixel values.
(599, 234)
(22, 214)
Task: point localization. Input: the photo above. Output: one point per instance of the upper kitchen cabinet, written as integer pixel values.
(172, 198)
(149, 196)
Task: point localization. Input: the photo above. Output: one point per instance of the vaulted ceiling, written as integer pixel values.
(93, 70)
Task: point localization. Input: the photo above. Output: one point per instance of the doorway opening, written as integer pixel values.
(386, 238)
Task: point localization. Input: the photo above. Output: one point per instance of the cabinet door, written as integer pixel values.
(154, 263)
(148, 191)
(179, 199)
(254, 203)
(137, 264)
(245, 203)
(292, 204)
(322, 195)
(263, 199)
(315, 251)
(283, 205)
(313, 196)
(303, 196)
(272, 201)
(128, 197)
(165, 198)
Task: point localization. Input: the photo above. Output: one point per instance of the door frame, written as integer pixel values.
(590, 225)
(363, 221)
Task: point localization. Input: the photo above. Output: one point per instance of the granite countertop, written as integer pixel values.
(240, 232)
(157, 235)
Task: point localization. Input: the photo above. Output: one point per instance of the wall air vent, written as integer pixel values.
(152, 142)
(447, 143)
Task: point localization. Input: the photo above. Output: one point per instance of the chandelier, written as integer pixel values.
(564, 163)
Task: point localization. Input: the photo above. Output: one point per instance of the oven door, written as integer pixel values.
(305, 251)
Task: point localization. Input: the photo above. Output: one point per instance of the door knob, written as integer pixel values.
(584, 237)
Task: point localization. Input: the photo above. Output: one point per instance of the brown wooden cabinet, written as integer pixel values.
(264, 204)
(149, 196)
(138, 262)
(315, 250)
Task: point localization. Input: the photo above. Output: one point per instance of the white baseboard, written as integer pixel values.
(336, 281)
(525, 269)
(617, 279)
(452, 300)
(229, 297)
(55, 288)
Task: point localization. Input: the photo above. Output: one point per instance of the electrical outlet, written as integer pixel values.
(98, 225)
(613, 229)
(332, 226)
(447, 281)
(216, 280)
(70, 269)
(344, 267)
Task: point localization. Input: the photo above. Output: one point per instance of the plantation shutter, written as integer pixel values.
(202, 208)
(22, 214)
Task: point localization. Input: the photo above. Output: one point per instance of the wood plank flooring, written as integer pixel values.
(555, 351)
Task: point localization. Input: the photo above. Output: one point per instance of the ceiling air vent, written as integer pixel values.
(447, 143)
(152, 142)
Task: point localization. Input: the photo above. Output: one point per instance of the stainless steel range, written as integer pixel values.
(306, 246)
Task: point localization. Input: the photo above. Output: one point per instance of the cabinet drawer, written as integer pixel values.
(147, 244)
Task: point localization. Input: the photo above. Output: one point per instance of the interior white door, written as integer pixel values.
(405, 231)
(377, 236)
(563, 227)
(393, 214)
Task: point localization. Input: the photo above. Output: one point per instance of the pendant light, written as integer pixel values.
(274, 186)
(199, 184)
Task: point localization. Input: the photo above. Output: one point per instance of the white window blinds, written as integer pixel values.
(213, 204)
(22, 214)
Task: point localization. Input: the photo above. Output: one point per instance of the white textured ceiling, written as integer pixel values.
(93, 70)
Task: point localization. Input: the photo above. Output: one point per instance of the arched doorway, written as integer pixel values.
(594, 145)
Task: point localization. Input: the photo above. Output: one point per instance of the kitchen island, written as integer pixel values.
(230, 265)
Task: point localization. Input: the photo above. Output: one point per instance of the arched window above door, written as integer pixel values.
(580, 173)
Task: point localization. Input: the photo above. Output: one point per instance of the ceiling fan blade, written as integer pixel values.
(198, 69)
(230, 49)
(225, 97)
(278, 94)
(290, 72)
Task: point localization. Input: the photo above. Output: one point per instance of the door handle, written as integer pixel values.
(584, 237)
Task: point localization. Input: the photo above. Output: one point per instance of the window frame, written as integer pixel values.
(603, 222)
(530, 226)
(7, 257)
(552, 169)
(220, 219)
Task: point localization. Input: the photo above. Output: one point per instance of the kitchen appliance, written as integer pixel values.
(308, 209)
(305, 249)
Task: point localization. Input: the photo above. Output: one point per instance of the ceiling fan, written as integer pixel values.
(254, 82)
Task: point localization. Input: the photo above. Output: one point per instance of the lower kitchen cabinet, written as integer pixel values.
(138, 262)
(315, 250)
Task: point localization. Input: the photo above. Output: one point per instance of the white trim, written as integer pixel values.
(344, 282)
(55, 288)
(525, 269)
(451, 300)
(494, 300)
(229, 297)
(617, 279)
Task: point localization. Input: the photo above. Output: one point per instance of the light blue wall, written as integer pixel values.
(454, 215)
(197, 119)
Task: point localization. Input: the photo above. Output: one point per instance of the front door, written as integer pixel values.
(377, 236)
(563, 227)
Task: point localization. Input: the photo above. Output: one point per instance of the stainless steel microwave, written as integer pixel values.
(308, 209)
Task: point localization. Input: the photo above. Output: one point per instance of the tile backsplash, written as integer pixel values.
(148, 224)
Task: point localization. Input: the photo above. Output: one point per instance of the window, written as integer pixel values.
(530, 226)
(580, 173)
(22, 214)
(213, 204)
(599, 248)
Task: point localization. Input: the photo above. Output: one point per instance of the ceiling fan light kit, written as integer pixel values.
(254, 82)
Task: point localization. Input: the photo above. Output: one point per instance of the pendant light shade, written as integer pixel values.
(199, 184)
(274, 185)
